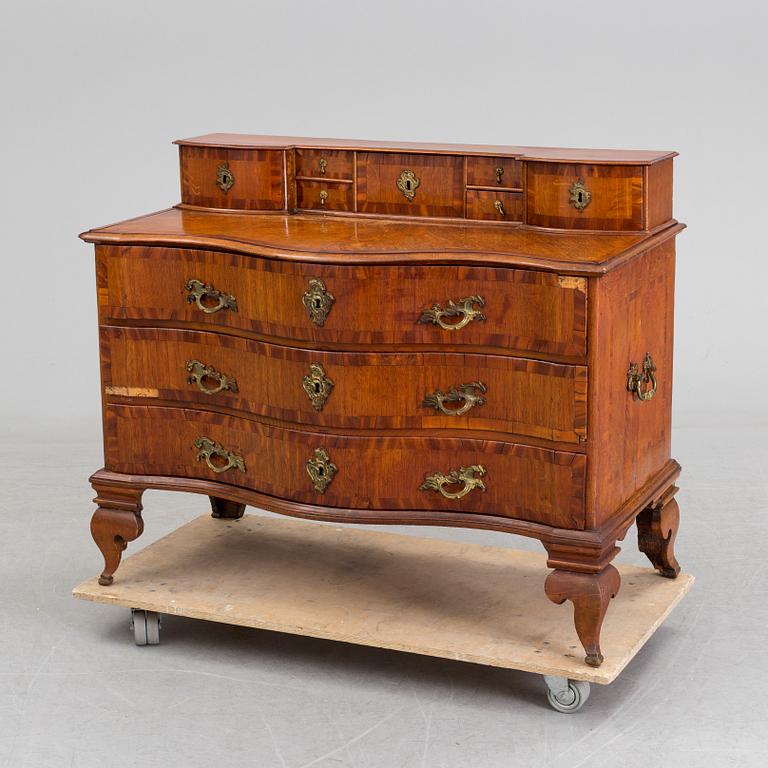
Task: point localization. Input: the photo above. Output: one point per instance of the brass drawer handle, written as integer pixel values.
(636, 380)
(200, 372)
(462, 308)
(323, 197)
(463, 476)
(323, 163)
(199, 291)
(499, 171)
(225, 179)
(208, 450)
(321, 470)
(317, 386)
(317, 301)
(465, 392)
(499, 206)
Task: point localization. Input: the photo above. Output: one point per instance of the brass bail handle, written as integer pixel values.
(198, 291)
(468, 477)
(199, 373)
(463, 309)
(636, 381)
(208, 450)
(469, 395)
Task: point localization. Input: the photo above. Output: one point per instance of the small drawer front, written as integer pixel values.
(494, 206)
(324, 196)
(508, 309)
(600, 197)
(391, 473)
(244, 179)
(325, 163)
(352, 390)
(410, 185)
(494, 172)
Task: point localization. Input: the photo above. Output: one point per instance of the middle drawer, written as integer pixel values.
(350, 390)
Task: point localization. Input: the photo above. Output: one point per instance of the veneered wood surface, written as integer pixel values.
(314, 238)
(340, 197)
(481, 171)
(328, 582)
(481, 205)
(259, 180)
(550, 154)
(631, 313)
(525, 310)
(339, 163)
(371, 391)
(440, 191)
(522, 482)
(617, 197)
(658, 203)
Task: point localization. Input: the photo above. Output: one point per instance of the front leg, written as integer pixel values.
(590, 594)
(231, 510)
(116, 521)
(656, 531)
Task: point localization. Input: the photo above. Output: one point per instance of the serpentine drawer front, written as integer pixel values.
(476, 336)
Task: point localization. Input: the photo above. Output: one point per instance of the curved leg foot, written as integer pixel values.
(590, 594)
(656, 531)
(116, 521)
(231, 510)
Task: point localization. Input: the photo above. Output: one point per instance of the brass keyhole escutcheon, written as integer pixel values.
(317, 386)
(321, 470)
(225, 179)
(408, 183)
(580, 195)
(317, 301)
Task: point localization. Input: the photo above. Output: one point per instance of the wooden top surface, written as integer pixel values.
(549, 154)
(355, 240)
(437, 598)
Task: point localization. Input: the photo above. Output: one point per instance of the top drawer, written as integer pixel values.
(410, 185)
(325, 163)
(511, 309)
(243, 179)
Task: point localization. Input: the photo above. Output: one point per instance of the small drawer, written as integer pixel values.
(349, 390)
(494, 172)
(244, 179)
(353, 472)
(398, 184)
(324, 196)
(577, 196)
(328, 163)
(494, 206)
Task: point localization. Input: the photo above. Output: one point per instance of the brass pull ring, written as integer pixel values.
(200, 372)
(499, 206)
(465, 392)
(462, 308)
(636, 380)
(499, 172)
(465, 476)
(199, 291)
(208, 450)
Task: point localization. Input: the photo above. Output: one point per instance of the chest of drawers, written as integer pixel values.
(415, 334)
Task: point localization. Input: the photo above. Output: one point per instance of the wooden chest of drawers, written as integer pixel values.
(427, 334)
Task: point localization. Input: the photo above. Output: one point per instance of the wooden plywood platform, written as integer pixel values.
(439, 598)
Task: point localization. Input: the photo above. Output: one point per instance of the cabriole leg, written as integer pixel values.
(656, 531)
(232, 510)
(116, 521)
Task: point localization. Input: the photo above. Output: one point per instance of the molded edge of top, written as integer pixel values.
(542, 154)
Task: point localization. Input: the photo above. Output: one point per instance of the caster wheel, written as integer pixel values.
(145, 626)
(566, 695)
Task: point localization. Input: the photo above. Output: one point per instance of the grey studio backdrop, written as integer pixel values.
(92, 95)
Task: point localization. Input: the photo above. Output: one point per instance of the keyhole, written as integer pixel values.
(317, 388)
(581, 196)
(408, 184)
(317, 303)
(321, 471)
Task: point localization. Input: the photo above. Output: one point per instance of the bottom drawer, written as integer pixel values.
(519, 481)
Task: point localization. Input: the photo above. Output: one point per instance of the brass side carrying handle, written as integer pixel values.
(199, 291)
(468, 477)
(208, 451)
(636, 380)
(471, 394)
(200, 373)
(499, 206)
(462, 308)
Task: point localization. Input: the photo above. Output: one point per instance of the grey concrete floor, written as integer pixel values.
(75, 691)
